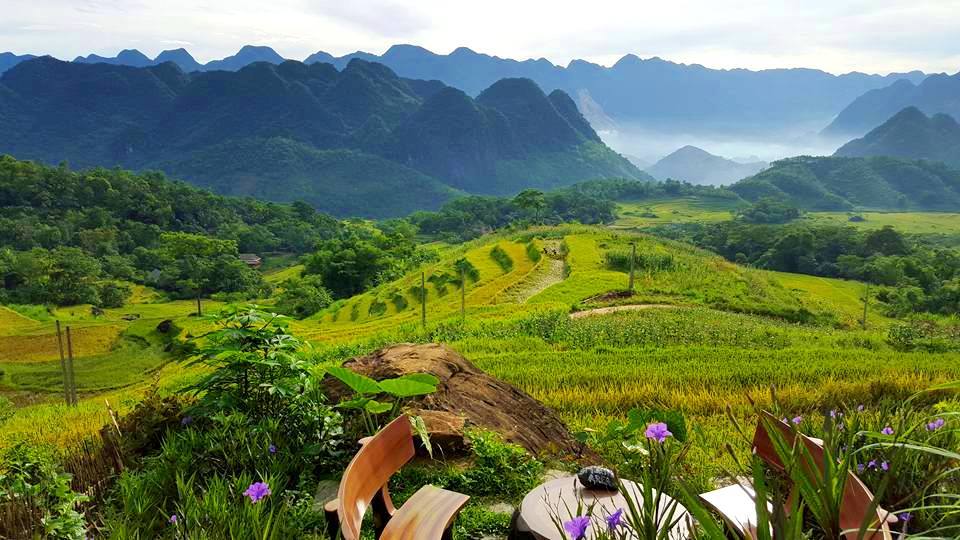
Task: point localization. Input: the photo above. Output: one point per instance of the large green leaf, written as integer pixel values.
(358, 403)
(376, 407)
(360, 384)
(403, 387)
(425, 378)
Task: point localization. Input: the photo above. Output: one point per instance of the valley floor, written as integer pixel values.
(730, 335)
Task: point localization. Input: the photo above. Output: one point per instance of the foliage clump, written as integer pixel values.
(502, 258)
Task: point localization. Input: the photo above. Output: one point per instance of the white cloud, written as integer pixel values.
(839, 36)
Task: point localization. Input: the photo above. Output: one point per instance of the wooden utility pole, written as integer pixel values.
(199, 310)
(71, 376)
(63, 366)
(866, 302)
(423, 299)
(463, 294)
(633, 258)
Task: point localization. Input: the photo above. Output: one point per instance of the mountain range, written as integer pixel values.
(655, 93)
(697, 166)
(844, 183)
(910, 134)
(935, 94)
(358, 141)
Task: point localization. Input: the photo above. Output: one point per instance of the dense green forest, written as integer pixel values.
(913, 135)
(67, 237)
(357, 142)
(841, 183)
(71, 237)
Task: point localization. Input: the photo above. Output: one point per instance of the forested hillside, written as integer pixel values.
(913, 135)
(361, 141)
(73, 238)
(839, 183)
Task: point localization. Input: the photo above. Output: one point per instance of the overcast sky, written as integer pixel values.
(877, 36)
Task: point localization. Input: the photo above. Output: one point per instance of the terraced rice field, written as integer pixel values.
(730, 334)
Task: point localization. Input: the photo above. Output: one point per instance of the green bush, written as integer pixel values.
(303, 297)
(399, 301)
(502, 258)
(463, 267)
(498, 470)
(643, 262)
(208, 501)
(533, 252)
(37, 499)
(113, 294)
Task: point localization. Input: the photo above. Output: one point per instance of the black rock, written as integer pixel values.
(597, 478)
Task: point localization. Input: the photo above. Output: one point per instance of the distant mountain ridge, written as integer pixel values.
(935, 94)
(697, 166)
(360, 141)
(844, 183)
(913, 135)
(8, 60)
(661, 95)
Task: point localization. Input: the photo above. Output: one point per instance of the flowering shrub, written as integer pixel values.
(655, 511)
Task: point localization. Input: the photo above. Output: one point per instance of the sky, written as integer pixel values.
(839, 36)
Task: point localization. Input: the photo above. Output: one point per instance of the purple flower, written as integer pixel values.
(257, 491)
(936, 424)
(797, 420)
(173, 519)
(614, 520)
(860, 467)
(905, 517)
(272, 449)
(186, 420)
(884, 465)
(577, 527)
(835, 414)
(658, 431)
(872, 464)
(887, 430)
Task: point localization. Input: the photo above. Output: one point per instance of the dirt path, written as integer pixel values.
(616, 309)
(549, 272)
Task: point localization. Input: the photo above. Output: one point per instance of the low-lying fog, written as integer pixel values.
(651, 146)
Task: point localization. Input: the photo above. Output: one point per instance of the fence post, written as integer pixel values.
(463, 294)
(423, 299)
(199, 310)
(71, 376)
(633, 258)
(63, 366)
(866, 302)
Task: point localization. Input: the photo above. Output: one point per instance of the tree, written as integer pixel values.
(200, 265)
(886, 241)
(531, 200)
(72, 278)
(304, 296)
(113, 294)
(348, 266)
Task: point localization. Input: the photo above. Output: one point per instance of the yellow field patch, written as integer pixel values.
(12, 322)
(87, 341)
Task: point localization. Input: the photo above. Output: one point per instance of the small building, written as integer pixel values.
(251, 259)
